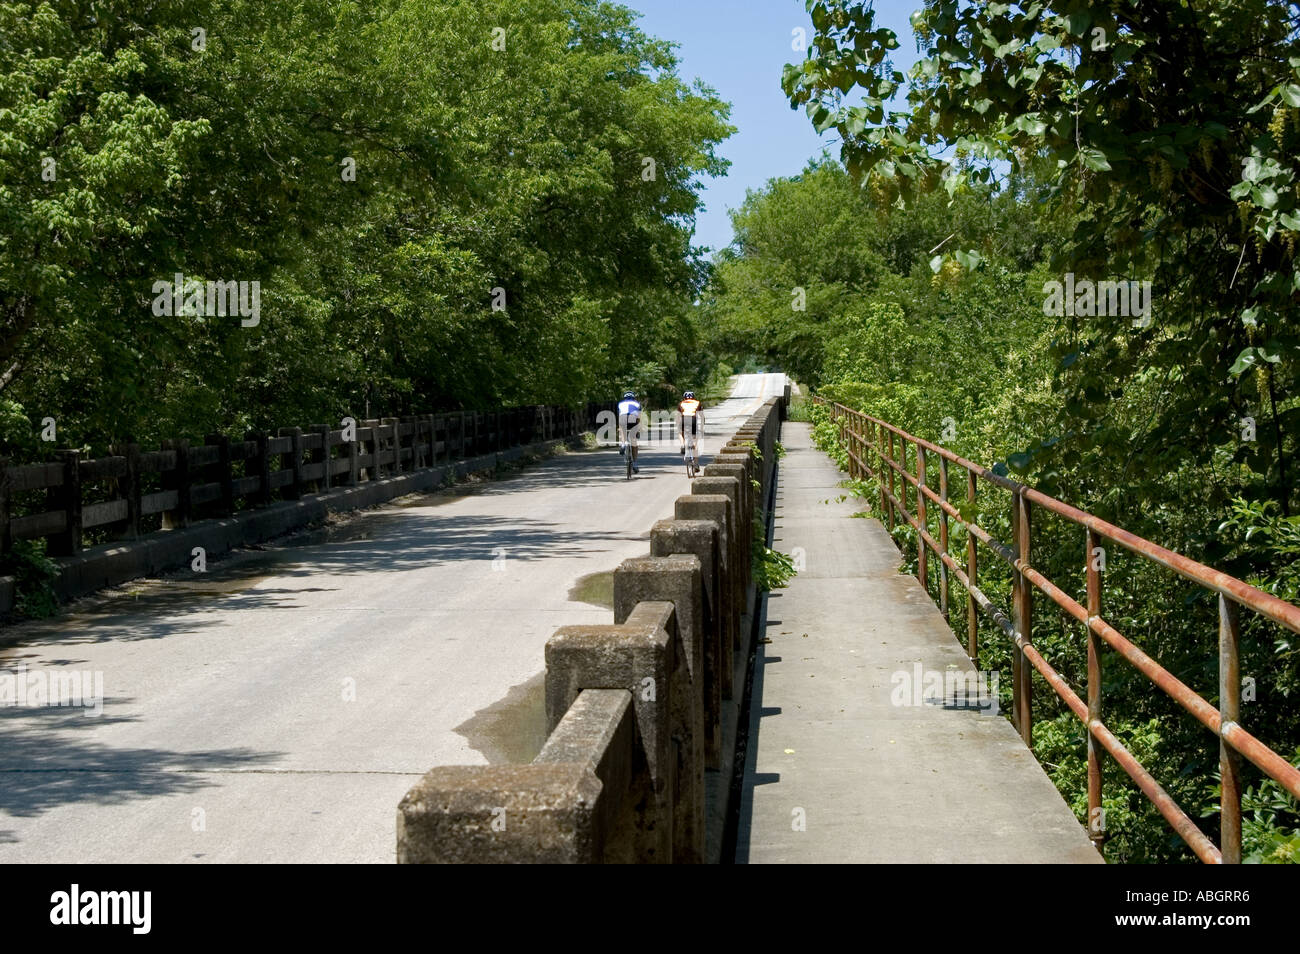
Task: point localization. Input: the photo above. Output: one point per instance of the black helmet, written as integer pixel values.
(689, 394)
(629, 396)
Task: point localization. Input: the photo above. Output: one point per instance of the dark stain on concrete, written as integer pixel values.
(594, 588)
(512, 730)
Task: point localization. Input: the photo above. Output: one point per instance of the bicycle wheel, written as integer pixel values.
(628, 458)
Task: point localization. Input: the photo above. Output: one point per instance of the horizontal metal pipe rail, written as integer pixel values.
(865, 436)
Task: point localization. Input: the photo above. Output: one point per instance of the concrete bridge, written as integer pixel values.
(278, 706)
(556, 665)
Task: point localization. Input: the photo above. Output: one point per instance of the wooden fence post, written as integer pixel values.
(225, 473)
(376, 469)
(294, 490)
(354, 458)
(322, 456)
(419, 458)
(178, 479)
(68, 499)
(6, 538)
(392, 430)
(262, 462)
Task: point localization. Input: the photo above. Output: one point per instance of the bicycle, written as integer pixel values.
(692, 458)
(628, 448)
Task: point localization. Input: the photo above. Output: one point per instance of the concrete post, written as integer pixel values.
(484, 814)
(678, 580)
(643, 656)
(718, 509)
(698, 538)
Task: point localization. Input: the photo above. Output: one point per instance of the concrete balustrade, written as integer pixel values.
(635, 709)
(698, 538)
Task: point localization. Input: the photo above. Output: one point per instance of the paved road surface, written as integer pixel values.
(278, 707)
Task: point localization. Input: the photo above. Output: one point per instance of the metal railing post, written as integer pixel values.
(881, 467)
(922, 555)
(972, 574)
(943, 538)
(891, 482)
(1229, 713)
(1022, 677)
(1096, 814)
(902, 489)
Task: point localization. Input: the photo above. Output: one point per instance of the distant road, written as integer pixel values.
(276, 708)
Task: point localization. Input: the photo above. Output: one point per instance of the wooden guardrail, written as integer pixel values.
(135, 491)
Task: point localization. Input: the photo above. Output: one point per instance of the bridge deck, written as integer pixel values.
(872, 780)
(277, 708)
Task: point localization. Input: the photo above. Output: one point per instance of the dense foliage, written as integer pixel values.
(1033, 146)
(471, 203)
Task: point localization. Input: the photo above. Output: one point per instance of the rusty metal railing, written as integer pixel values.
(864, 436)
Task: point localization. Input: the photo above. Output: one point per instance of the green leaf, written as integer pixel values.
(1246, 360)
(1031, 123)
(1079, 22)
(1019, 462)
(1094, 159)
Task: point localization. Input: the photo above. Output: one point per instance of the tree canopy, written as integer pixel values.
(445, 204)
(1169, 131)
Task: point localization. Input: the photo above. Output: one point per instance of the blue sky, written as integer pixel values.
(739, 47)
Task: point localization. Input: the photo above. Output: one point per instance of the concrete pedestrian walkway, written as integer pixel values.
(847, 760)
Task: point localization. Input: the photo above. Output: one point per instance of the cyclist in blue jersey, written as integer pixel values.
(629, 420)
